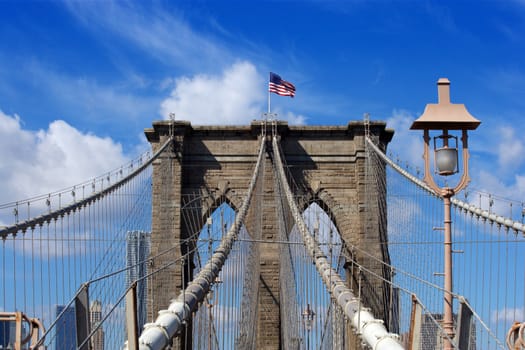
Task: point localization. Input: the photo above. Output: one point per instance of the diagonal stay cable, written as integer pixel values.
(110, 275)
(372, 330)
(157, 335)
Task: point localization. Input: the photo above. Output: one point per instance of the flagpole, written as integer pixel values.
(269, 101)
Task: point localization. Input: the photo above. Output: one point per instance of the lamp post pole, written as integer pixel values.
(446, 116)
(448, 321)
(308, 340)
(308, 318)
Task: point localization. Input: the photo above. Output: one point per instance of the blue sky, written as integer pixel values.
(80, 80)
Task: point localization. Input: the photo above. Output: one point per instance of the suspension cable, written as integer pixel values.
(371, 329)
(485, 214)
(54, 215)
(158, 335)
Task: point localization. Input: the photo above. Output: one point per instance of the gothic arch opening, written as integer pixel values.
(220, 321)
(319, 324)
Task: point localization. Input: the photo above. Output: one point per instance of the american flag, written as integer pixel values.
(280, 87)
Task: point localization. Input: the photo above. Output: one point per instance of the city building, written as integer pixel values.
(95, 317)
(7, 334)
(137, 251)
(66, 328)
(432, 337)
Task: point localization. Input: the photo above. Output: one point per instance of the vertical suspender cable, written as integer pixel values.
(157, 335)
(371, 329)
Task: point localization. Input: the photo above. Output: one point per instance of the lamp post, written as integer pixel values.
(308, 319)
(210, 304)
(446, 116)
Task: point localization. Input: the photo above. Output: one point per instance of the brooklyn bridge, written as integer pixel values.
(264, 236)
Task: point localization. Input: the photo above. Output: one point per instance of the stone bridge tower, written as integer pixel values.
(327, 161)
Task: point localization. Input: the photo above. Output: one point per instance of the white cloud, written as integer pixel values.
(292, 118)
(407, 144)
(404, 215)
(157, 31)
(508, 315)
(507, 192)
(510, 149)
(89, 99)
(237, 96)
(38, 162)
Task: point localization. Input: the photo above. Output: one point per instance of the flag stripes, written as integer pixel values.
(280, 87)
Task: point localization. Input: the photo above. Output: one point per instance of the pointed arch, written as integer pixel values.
(318, 320)
(337, 213)
(222, 319)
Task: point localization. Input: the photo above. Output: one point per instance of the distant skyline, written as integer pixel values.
(137, 251)
(66, 329)
(80, 80)
(7, 334)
